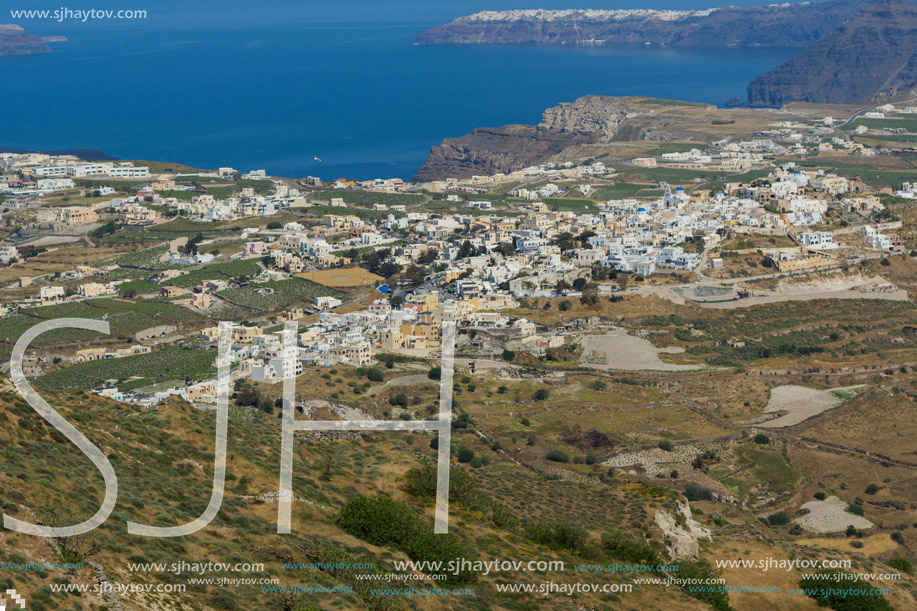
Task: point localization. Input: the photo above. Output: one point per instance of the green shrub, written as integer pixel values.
(375, 375)
(380, 520)
(541, 394)
(435, 373)
(622, 546)
(696, 492)
(465, 455)
(820, 496)
(557, 456)
(761, 438)
(702, 570)
(778, 519)
(901, 564)
(558, 536)
(871, 489)
(666, 445)
(509, 355)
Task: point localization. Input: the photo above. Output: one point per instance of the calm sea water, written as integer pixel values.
(357, 96)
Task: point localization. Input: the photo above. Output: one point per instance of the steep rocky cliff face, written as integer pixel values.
(873, 54)
(16, 41)
(486, 150)
(777, 25)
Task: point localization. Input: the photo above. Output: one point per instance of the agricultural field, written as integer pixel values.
(161, 367)
(216, 271)
(342, 277)
(563, 204)
(245, 302)
(125, 318)
(364, 198)
(57, 260)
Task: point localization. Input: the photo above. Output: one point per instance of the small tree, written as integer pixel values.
(541, 394)
(508, 355)
(465, 455)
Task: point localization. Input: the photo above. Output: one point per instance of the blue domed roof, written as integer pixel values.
(641, 209)
(679, 188)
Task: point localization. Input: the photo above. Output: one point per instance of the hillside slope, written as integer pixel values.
(875, 53)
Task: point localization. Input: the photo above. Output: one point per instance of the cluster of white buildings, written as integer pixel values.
(88, 170)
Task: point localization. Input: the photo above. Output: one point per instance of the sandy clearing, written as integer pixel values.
(618, 350)
(801, 403)
(876, 544)
(830, 516)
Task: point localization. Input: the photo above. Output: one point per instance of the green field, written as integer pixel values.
(286, 293)
(564, 204)
(148, 257)
(765, 466)
(623, 190)
(357, 196)
(124, 318)
(886, 123)
(217, 271)
(169, 364)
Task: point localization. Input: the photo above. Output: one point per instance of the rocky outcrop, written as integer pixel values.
(872, 55)
(776, 25)
(16, 41)
(681, 533)
(491, 150)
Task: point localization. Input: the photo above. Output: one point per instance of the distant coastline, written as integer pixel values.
(15, 40)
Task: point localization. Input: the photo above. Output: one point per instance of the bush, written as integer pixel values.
(901, 564)
(701, 570)
(666, 445)
(856, 509)
(843, 592)
(380, 520)
(820, 496)
(761, 438)
(509, 355)
(400, 400)
(696, 492)
(465, 455)
(374, 375)
(557, 456)
(435, 373)
(778, 519)
(590, 459)
(502, 390)
(525, 422)
(541, 394)
(559, 536)
(871, 489)
(421, 482)
(622, 546)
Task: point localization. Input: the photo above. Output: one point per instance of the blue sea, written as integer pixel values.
(358, 96)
